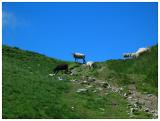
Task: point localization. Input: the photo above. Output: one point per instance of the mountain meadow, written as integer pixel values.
(113, 89)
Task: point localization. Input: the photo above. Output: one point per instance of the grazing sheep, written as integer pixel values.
(79, 56)
(60, 67)
(137, 53)
(90, 64)
(127, 55)
(142, 50)
(134, 55)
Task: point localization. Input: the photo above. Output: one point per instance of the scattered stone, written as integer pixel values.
(99, 88)
(60, 78)
(90, 79)
(109, 86)
(72, 108)
(105, 84)
(130, 97)
(81, 90)
(51, 74)
(102, 109)
(129, 92)
(121, 89)
(114, 90)
(73, 72)
(132, 110)
(74, 80)
(94, 91)
(106, 93)
(89, 86)
(135, 105)
(125, 95)
(149, 95)
(84, 82)
(146, 110)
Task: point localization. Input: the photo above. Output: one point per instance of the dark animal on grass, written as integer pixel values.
(60, 67)
(79, 56)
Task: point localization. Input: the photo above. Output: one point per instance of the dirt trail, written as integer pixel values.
(149, 102)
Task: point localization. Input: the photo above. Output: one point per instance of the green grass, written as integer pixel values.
(143, 71)
(29, 92)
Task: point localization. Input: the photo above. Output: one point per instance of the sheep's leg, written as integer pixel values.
(84, 61)
(76, 60)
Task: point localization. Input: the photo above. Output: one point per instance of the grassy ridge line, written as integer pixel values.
(146, 64)
(142, 71)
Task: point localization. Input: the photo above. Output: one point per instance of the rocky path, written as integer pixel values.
(137, 101)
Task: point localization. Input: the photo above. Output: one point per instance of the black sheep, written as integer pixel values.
(60, 67)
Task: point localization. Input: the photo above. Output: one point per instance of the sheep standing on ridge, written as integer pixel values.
(127, 55)
(79, 56)
(137, 53)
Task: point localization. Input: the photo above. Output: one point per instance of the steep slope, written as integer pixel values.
(142, 71)
(29, 92)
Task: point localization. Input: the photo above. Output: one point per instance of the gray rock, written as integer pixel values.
(84, 82)
(130, 97)
(99, 88)
(89, 86)
(60, 78)
(149, 95)
(146, 110)
(74, 80)
(51, 74)
(133, 110)
(72, 108)
(90, 79)
(105, 84)
(73, 72)
(102, 109)
(81, 90)
(94, 91)
(106, 93)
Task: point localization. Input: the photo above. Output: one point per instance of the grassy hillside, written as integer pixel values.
(143, 71)
(29, 92)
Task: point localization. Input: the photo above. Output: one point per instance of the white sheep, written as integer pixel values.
(142, 50)
(137, 53)
(90, 64)
(79, 56)
(127, 55)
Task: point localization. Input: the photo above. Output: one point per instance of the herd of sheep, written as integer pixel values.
(137, 53)
(90, 64)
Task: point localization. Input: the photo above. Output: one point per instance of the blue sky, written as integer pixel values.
(101, 31)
